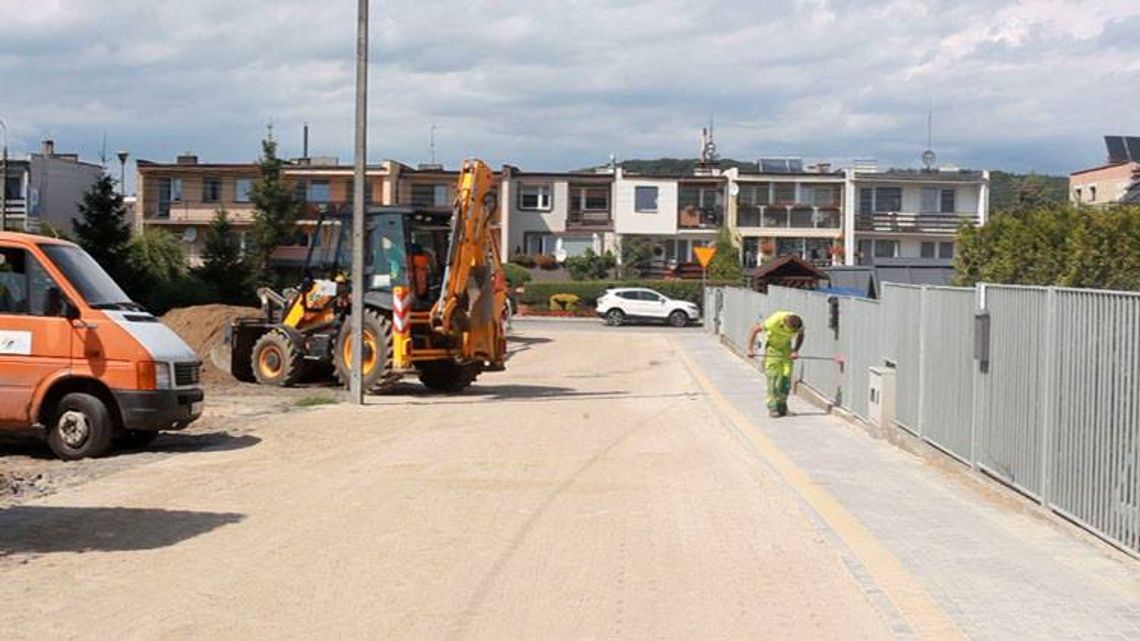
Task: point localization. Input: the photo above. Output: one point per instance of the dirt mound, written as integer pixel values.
(203, 327)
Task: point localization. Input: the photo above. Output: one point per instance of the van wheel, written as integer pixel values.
(80, 427)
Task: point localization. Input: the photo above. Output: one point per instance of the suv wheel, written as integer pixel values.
(615, 317)
(679, 318)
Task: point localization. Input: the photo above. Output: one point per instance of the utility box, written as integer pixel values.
(881, 396)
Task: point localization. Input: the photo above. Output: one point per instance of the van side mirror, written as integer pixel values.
(71, 312)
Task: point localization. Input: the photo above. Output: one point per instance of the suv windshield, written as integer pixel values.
(94, 285)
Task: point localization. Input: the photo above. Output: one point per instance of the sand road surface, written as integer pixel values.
(592, 491)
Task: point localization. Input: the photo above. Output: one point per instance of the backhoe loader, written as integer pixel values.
(433, 304)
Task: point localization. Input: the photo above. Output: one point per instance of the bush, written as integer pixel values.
(588, 292)
(590, 266)
(546, 261)
(516, 276)
(524, 260)
(564, 302)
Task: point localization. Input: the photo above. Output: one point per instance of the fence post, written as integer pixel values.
(922, 320)
(1048, 395)
(976, 411)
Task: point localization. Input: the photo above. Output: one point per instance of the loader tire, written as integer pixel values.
(276, 360)
(377, 375)
(447, 376)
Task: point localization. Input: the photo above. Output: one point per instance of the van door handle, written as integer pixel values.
(79, 324)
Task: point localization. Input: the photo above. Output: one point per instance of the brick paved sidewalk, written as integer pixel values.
(999, 570)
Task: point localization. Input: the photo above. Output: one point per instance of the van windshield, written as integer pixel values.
(95, 285)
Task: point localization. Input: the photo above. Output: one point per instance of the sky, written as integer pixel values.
(1025, 85)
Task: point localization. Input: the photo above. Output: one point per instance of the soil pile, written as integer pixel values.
(203, 327)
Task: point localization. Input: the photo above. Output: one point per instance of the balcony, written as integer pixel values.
(693, 217)
(589, 219)
(789, 217)
(913, 223)
(193, 213)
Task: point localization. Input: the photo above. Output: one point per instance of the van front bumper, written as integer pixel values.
(159, 409)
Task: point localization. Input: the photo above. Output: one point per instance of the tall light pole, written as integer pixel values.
(4, 180)
(123, 155)
(356, 386)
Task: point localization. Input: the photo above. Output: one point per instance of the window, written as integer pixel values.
(318, 192)
(593, 199)
(14, 188)
(24, 285)
(785, 193)
(540, 244)
(630, 295)
(927, 250)
(176, 190)
(430, 195)
(211, 190)
(945, 250)
(824, 196)
(300, 191)
(242, 189)
(535, 197)
(888, 199)
(1078, 192)
(754, 195)
(866, 200)
(645, 199)
(929, 200)
(886, 248)
(169, 191)
(949, 204)
(1092, 194)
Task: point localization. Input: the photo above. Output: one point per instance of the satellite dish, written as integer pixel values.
(190, 234)
(734, 190)
(928, 158)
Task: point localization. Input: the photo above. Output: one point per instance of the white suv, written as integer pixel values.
(634, 303)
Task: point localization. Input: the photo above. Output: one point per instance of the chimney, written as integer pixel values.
(48, 148)
(187, 159)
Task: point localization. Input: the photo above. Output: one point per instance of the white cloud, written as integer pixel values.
(1020, 84)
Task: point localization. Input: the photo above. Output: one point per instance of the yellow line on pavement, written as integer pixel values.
(912, 600)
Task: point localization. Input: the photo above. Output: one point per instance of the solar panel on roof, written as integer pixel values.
(774, 165)
(1117, 151)
(1133, 144)
(795, 165)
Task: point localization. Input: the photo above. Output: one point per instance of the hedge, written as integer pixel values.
(538, 293)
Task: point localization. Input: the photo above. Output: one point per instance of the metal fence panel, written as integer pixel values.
(1095, 447)
(1011, 410)
(948, 369)
(861, 346)
(903, 306)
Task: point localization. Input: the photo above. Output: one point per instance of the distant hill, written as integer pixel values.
(1004, 187)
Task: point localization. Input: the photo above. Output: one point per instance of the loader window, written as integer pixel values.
(385, 258)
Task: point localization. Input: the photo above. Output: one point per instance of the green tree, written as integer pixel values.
(725, 264)
(103, 229)
(636, 254)
(154, 260)
(590, 266)
(223, 266)
(275, 210)
(1054, 245)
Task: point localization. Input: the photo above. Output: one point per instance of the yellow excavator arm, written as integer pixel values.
(470, 305)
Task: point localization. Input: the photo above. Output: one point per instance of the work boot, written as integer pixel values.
(774, 413)
(783, 409)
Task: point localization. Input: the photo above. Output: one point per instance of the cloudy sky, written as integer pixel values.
(1019, 85)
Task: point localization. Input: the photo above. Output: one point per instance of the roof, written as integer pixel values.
(14, 236)
(868, 279)
(921, 176)
(788, 266)
(1111, 165)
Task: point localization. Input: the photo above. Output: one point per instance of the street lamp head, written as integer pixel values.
(123, 156)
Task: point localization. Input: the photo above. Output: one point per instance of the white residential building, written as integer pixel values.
(559, 214)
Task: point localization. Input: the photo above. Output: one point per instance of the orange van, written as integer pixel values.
(79, 361)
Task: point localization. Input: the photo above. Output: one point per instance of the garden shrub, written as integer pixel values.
(546, 261)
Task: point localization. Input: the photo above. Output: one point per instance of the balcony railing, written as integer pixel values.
(692, 217)
(907, 222)
(789, 217)
(591, 219)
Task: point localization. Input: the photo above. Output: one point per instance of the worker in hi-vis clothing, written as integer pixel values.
(785, 333)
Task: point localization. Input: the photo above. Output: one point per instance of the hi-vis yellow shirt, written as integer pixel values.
(780, 336)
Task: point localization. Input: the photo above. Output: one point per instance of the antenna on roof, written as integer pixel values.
(928, 157)
(431, 144)
(103, 150)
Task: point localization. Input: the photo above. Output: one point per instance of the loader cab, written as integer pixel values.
(404, 247)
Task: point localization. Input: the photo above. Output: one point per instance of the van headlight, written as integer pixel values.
(162, 376)
(153, 375)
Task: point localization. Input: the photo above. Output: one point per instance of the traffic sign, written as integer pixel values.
(704, 255)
